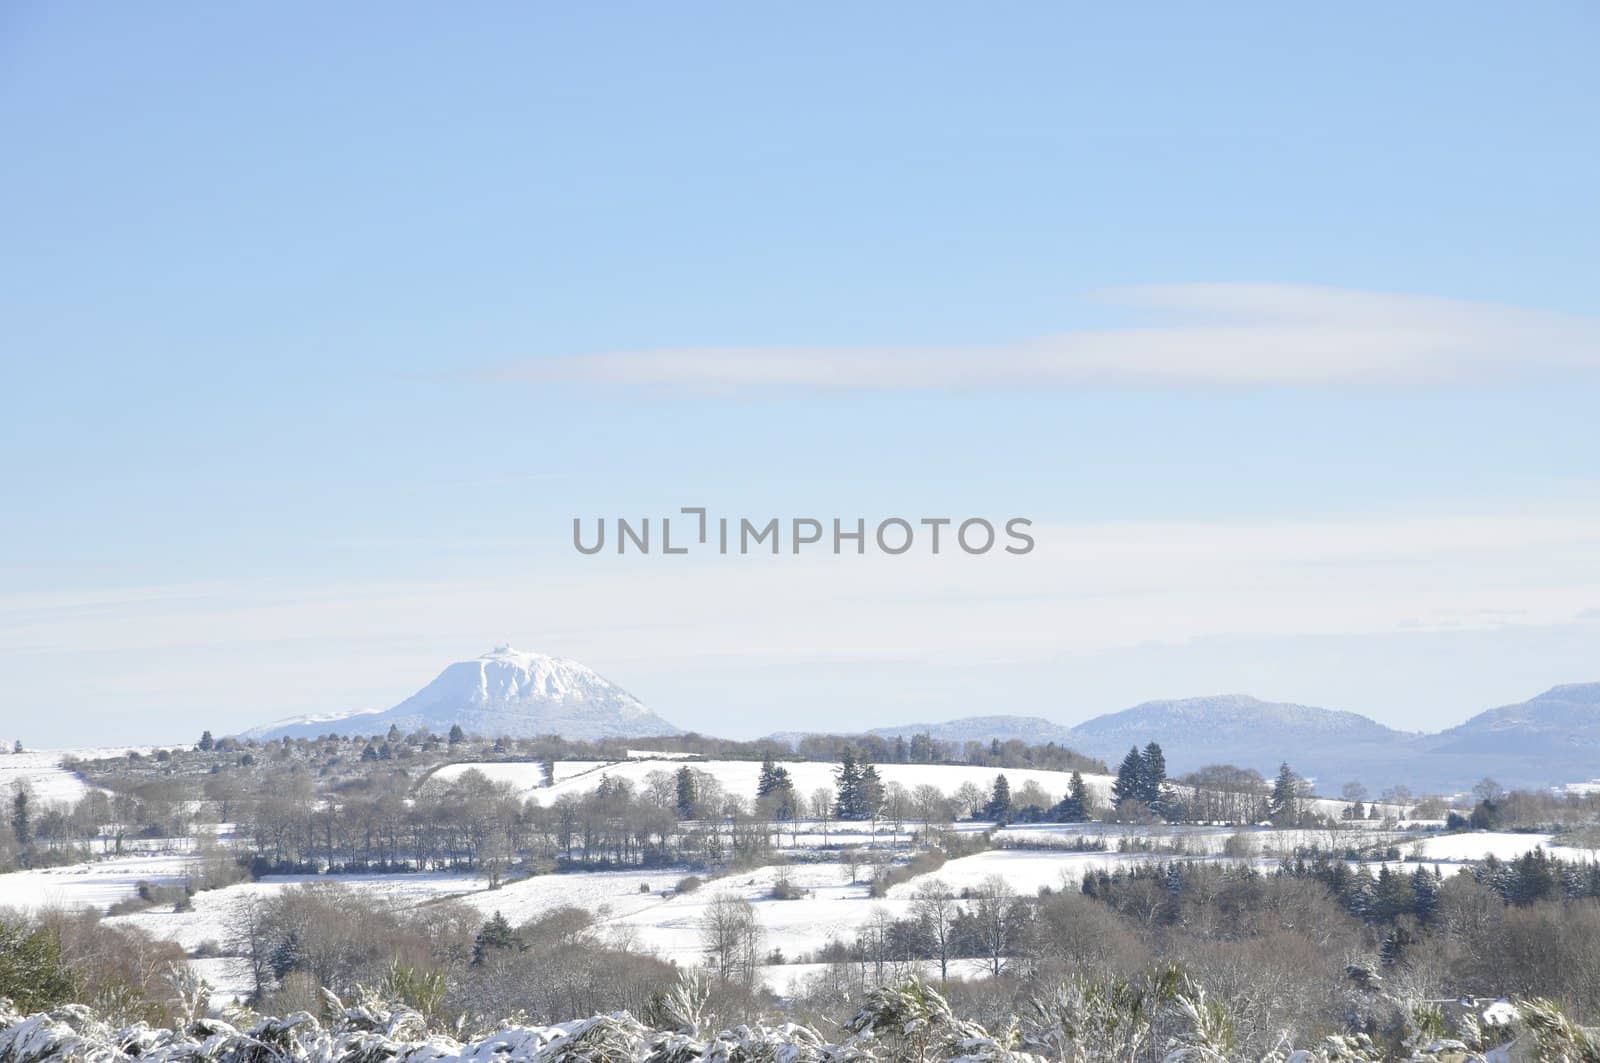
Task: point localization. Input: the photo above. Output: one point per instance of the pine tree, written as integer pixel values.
(21, 818)
(457, 735)
(775, 783)
(370, 753)
(207, 743)
(1154, 775)
(394, 734)
(999, 806)
(1425, 891)
(495, 934)
(287, 955)
(847, 786)
(871, 792)
(1393, 949)
(1284, 803)
(1075, 809)
(1130, 778)
(688, 797)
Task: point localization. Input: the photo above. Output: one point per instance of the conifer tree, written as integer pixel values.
(1153, 776)
(775, 783)
(871, 792)
(847, 787)
(207, 743)
(22, 817)
(999, 806)
(457, 735)
(1284, 803)
(1074, 808)
(688, 796)
(495, 934)
(1130, 778)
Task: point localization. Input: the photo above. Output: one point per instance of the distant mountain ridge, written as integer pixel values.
(504, 692)
(1550, 739)
(1034, 730)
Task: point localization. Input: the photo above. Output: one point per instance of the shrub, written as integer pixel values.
(32, 971)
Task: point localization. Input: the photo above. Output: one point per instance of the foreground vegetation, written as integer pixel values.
(1161, 1016)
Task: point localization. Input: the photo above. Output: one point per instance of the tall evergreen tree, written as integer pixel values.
(457, 735)
(1074, 808)
(775, 784)
(871, 792)
(999, 806)
(1130, 778)
(688, 797)
(1425, 891)
(847, 787)
(1153, 775)
(22, 817)
(207, 743)
(1284, 804)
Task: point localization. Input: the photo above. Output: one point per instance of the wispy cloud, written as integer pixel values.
(1187, 334)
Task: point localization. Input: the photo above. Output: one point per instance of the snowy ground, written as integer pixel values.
(1503, 845)
(1191, 840)
(43, 774)
(90, 885)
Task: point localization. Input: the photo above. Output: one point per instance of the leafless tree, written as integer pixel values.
(731, 934)
(936, 908)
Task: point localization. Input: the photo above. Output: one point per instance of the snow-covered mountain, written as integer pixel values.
(1546, 739)
(504, 692)
(1562, 720)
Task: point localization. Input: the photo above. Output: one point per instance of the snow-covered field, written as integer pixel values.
(97, 884)
(1502, 845)
(43, 774)
(1191, 840)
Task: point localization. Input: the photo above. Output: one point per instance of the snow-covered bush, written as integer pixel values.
(1085, 1021)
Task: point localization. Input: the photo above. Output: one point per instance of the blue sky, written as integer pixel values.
(317, 327)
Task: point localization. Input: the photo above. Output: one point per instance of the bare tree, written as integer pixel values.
(822, 810)
(969, 798)
(935, 907)
(931, 804)
(998, 922)
(731, 934)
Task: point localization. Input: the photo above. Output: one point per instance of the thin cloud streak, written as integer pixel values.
(1195, 334)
